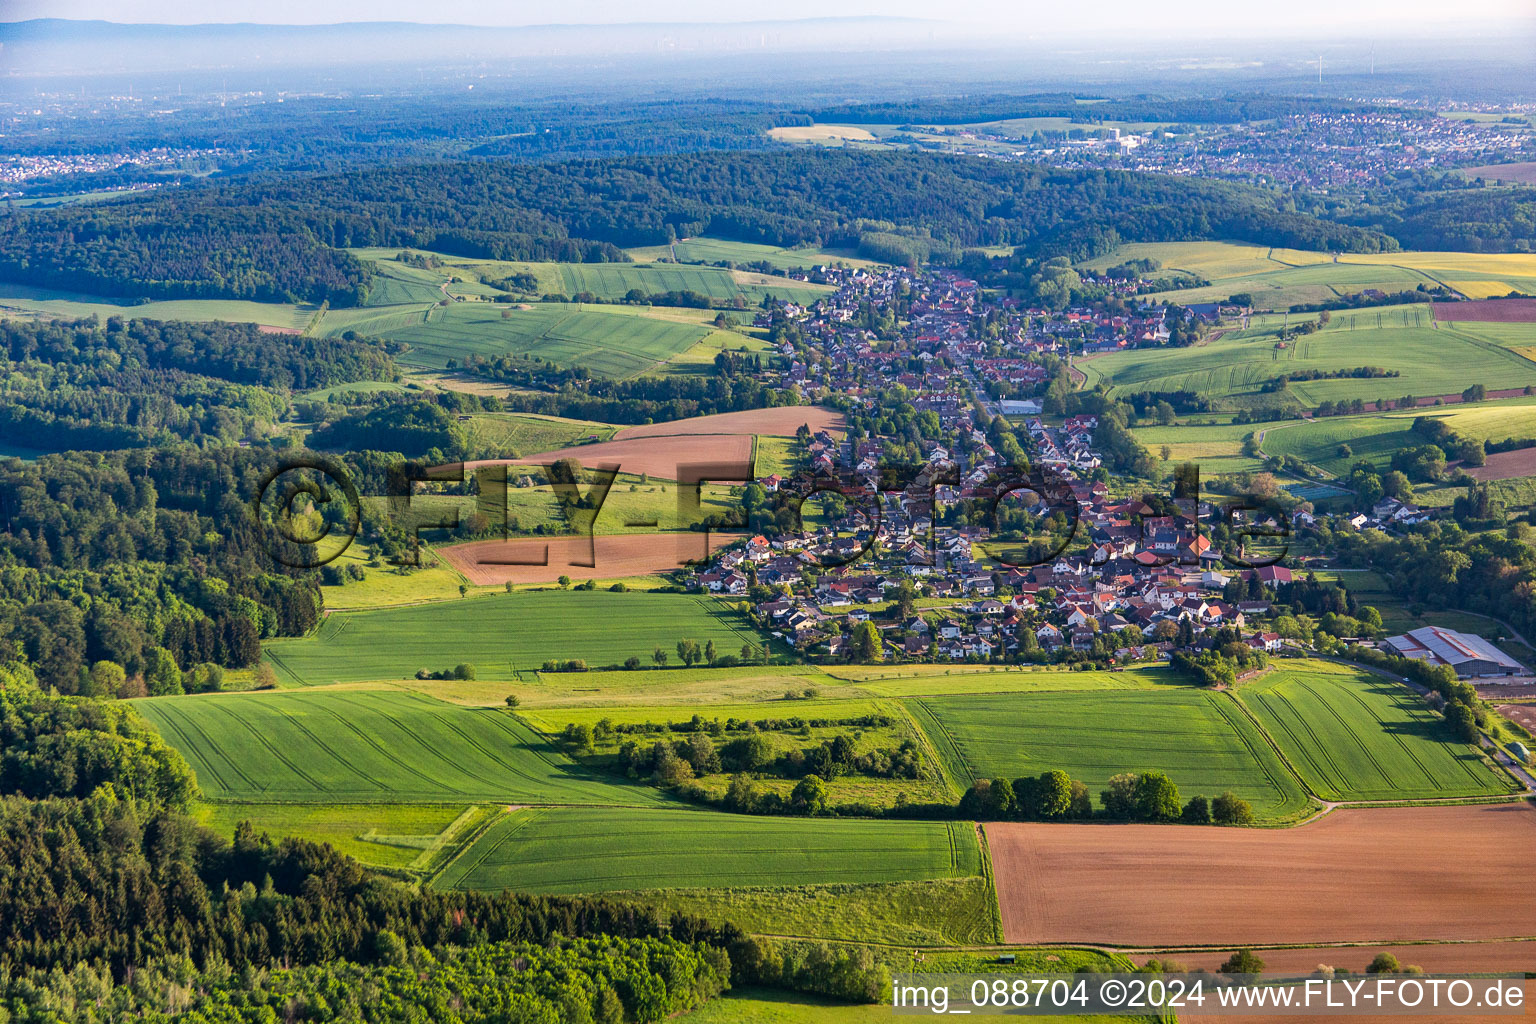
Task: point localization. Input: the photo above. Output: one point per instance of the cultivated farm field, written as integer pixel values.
(514, 434)
(559, 850)
(613, 556)
(372, 747)
(780, 421)
(1429, 360)
(1280, 278)
(617, 341)
(655, 456)
(1379, 874)
(1216, 449)
(1202, 740)
(502, 633)
(703, 249)
(1374, 437)
(396, 283)
(1356, 736)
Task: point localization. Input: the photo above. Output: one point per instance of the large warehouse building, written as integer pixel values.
(1471, 656)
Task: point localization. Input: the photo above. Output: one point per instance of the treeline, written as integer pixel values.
(413, 428)
(643, 399)
(968, 109)
(1130, 796)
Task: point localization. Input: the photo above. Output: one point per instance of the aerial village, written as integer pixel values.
(1134, 582)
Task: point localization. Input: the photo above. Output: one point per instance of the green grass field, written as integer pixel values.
(1374, 437)
(396, 283)
(1356, 736)
(24, 299)
(344, 392)
(1430, 361)
(502, 633)
(1216, 449)
(615, 280)
(1201, 739)
(512, 434)
(932, 912)
(372, 747)
(561, 850)
(715, 250)
(388, 835)
(678, 691)
(938, 680)
(616, 341)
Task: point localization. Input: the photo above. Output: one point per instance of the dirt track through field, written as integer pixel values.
(616, 556)
(1364, 875)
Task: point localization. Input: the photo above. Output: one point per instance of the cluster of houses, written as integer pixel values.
(935, 586)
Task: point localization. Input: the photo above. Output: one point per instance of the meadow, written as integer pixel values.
(1429, 361)
(1216, 448)
(617, 341)
(372, 747)
(396, 283)
(932, 912)
(565, 850)
(1200, 739)
(386, 835)
(511, 434)
(503, 633)
(1353, 735)
(674, 692)
(920, 680)
(384, 585)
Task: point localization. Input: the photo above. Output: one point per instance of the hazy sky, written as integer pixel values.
(1116, 17)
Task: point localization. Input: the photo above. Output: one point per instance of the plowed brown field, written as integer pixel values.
(656, 456)
(1366, 875)
(1506, 465)
(1488, 311)
(780, 422)
(616, 556)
